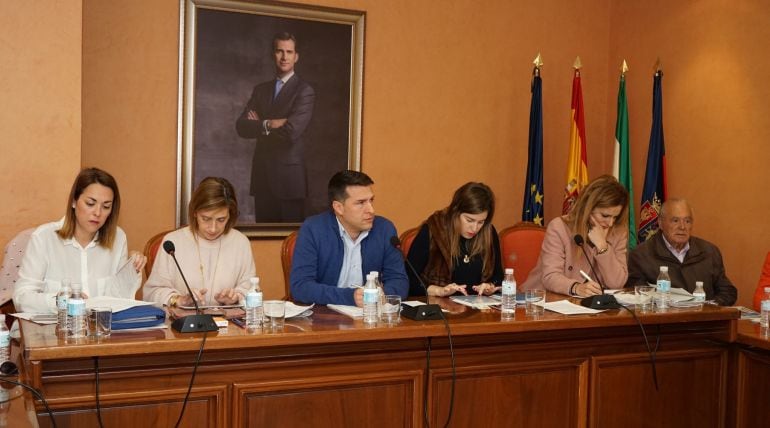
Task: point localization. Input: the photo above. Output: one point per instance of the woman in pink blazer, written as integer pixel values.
(598, 222)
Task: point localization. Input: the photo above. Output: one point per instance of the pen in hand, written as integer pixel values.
(585, 275)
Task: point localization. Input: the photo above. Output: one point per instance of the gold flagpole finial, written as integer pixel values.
(623, 68)
(657, 67)
(577, 65)
(538, 61)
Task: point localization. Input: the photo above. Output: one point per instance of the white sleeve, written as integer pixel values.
(30, 292)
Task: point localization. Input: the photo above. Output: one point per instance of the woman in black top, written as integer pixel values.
(457, 248)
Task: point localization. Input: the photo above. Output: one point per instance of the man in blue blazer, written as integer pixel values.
(337, 248)
(277, 115)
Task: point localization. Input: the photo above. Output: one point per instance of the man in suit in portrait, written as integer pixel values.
(277, 115)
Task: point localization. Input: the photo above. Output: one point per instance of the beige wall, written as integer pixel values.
(447, 100)
(715, 95)
(40, 96)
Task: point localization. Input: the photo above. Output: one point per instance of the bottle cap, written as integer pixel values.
(699, 283)
(254, 280)
(664, 268)
(374, 273)
(77, 286)
(509, 271)
(767, 289)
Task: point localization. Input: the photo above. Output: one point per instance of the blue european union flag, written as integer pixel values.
(533, 190)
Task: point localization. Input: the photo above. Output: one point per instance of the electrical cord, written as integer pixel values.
(651, 352)
(427, 376)
(37, 395)
(454, 370)
(425, 385)
(98, 406)
(192, 378)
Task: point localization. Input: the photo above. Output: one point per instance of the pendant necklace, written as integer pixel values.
(216, 265)
(466, 257)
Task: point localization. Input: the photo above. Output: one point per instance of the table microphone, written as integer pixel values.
(422, 312)
(192, 323)
(602, 301)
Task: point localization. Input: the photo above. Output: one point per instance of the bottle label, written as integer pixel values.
(61, 302)
(509, 287)
(5, 339)
(699, 297)
(76, 307)
(253, 300)
(371, 295)
(765, 305)
(664, 286)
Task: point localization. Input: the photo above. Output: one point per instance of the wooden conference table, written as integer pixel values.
(330, 370)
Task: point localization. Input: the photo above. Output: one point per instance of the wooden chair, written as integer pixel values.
(287, 252)
(151, 250)
(9, 273)
(520, 248)
(407, 238)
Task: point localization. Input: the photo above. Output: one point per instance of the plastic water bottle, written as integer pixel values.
(764, 314)
(5, 341)
(508, 311)
(62, 328)
(76, 311)
(253, 305)
(380, 290)
(698, 294)
(664, 288)
(371, 300)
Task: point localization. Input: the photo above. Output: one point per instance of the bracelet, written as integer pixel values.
(603, 250)
(572, 289)
(172, 300)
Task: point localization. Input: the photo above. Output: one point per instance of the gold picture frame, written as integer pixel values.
(225, 51)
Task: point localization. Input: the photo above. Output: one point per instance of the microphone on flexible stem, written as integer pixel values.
(422, 312)
(192, 323)
(602, 301)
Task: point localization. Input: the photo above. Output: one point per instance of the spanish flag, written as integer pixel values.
(577, 164)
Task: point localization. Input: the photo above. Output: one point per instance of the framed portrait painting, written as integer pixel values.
(270, 99)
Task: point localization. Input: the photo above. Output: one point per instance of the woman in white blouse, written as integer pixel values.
(216, 259)
(85, 247)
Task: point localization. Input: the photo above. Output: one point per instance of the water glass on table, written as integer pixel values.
(99, 322)
(275, 313)
(391, 309)
(644, 296)
(534, 302)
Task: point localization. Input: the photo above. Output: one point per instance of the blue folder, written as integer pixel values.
(138, 317)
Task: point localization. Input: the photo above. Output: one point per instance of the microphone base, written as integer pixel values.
(604, 301)
(195, 324)
(422, 312)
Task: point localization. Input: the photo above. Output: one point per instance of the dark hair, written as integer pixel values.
(85, 178)
(472, 198)
(283, 36)
(212, 193)
(338, 184)
(603, 192)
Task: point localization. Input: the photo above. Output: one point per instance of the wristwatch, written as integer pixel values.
(603, 250)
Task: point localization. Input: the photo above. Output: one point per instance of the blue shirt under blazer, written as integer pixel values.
(318, 255)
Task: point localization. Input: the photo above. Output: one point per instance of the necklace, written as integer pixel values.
(466, 257)
(216, 265)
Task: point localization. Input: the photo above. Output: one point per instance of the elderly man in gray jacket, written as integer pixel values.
(688, 258)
